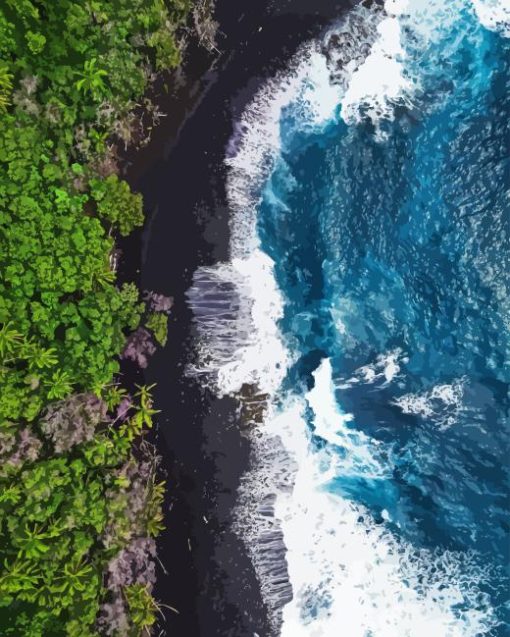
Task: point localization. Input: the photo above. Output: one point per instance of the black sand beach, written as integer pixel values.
(205, 575)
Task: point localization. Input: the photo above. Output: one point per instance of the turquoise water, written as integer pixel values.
(390, 243)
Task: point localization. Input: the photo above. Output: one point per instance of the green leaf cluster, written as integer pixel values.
(116, 203)
(5, 87)
(71, 74)
(142, 606)
(157, 322)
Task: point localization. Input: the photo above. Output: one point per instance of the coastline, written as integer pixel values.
(206, 574)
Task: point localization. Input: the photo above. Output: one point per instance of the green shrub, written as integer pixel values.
(117, 204)
(157, 322)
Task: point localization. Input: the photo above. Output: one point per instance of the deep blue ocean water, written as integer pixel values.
(392, 253)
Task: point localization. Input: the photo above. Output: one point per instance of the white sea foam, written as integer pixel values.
(306, 85)
(441, 405)
(379, 83)
(359, 455)
(404, 51)
(494, 15)
(228, 300)
(386, 368)
(351, 576)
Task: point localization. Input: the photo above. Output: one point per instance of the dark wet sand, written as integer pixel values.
(207, 576)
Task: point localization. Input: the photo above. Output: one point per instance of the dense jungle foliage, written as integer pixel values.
(79, 499)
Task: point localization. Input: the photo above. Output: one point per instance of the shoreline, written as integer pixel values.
(206, 574)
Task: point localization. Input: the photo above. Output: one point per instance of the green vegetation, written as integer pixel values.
(157, 322)
(79, 500)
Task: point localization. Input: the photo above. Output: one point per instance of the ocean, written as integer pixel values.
(368, 303)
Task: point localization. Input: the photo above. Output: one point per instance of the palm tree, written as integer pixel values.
(10, 339)
(40, 357)
(5, 87)
(144, 411)
(60, 385)
(91, 79)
